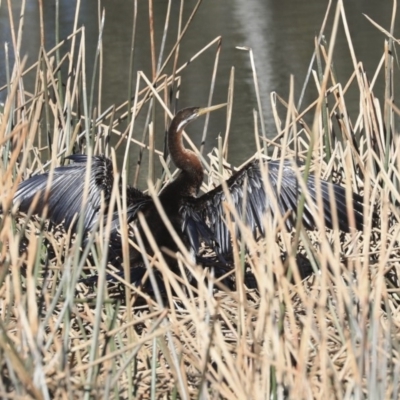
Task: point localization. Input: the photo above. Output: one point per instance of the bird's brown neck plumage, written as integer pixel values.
(191, 177)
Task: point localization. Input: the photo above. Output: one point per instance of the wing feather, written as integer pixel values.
(209, 207)
(64, 200)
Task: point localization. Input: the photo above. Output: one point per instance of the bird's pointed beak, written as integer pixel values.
(206, 110)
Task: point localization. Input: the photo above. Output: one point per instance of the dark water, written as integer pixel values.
(281, 34)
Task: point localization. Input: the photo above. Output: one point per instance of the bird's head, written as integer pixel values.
(187, 115)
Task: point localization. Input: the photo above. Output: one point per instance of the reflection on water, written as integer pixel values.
(281, 35)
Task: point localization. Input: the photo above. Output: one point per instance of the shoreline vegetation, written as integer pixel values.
(335, 334)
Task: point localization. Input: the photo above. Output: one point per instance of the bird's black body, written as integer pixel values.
(194, 218)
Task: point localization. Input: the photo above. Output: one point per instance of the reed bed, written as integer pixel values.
(333, 335)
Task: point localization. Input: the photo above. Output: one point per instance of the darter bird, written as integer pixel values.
(195, 218)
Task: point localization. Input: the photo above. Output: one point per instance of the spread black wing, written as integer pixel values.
(65, 195)
(247, 186)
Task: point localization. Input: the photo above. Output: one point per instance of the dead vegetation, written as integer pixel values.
(335, 335)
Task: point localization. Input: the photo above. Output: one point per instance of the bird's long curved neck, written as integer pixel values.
(191, 176)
